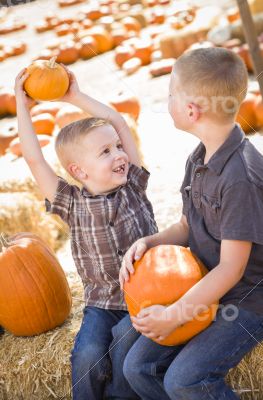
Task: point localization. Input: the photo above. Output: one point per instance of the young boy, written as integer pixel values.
(222, 224)
(105, 217)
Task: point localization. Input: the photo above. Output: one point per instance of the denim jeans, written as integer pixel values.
(97, 358)
(195, 370)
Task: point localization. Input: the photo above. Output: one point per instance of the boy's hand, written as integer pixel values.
(73, 89)
(134, 253)
(154, 322)
(19, 88)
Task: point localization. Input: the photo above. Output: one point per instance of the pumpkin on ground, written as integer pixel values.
(15, 145)
(163, 275)
(259, 111)
(126, 103)
(47, 80)
(7, 134)
(68, 114)
(43, 124)
(246, 116)
(34, 292)
(50, 108)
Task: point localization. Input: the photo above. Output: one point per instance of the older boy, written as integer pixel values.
(222, 224)
(105, 217)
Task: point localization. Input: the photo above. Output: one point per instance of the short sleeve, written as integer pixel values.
(242, 213)
(62, 201)
(138, 177)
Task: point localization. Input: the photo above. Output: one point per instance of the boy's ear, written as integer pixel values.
(194, 112)
(75, 171)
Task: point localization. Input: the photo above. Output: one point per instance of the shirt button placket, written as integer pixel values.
(196, 187)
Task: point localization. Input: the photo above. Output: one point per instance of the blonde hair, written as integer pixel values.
(72, 134)
(215, 76)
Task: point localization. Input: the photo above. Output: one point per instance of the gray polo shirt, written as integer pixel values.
(223, 199)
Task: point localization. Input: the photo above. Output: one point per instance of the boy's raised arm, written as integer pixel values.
(100, 110)
(42, 172)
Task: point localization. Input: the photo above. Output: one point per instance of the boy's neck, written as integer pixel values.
(213, 135)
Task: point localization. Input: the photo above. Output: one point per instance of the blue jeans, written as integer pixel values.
(195, 370)
(97, 357)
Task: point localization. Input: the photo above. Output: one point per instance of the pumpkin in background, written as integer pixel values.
(43, 124)
(34, 292)
(15, 145)
(67, 53)
(50, 108)
(163, 275)
(126, 103)
(7, 134)
(88, 47)
(259, 111)
(246, 116)
(68, 114)
(102, 37)
(47, 80)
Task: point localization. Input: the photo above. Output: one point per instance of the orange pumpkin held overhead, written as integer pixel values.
(47, 80)
(34, 292)
(163, 275)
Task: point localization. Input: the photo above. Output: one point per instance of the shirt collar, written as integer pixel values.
(222, 155)
(84, 192)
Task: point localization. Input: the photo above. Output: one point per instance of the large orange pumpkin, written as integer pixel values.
(47, 80)
(34, 292)
(163, 275)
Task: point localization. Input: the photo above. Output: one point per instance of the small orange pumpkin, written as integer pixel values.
(15, 145)
(44, 124)
(122, 54)
(126, 103)
(68, 52)
(88, 47)
(131, 24)
(6, 137)
(68, 114)
(259, 111)
(102, 37)
(50, 108)
(34, 292)
(47, 80)
(246, 116)
(163, 275)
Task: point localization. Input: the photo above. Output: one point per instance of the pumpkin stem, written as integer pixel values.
(52, 62)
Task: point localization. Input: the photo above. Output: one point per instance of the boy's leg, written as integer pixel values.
(124, 336)
(91, 366)
(198, 371)
(145, 366)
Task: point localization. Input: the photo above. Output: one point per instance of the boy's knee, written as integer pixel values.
(131, 367)
(124, 333)
(91, 360)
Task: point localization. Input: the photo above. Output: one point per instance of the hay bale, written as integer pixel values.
(38, 368)
(21, 212)
(16, 175)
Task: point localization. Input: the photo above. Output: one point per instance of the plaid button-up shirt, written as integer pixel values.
(102, 229)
